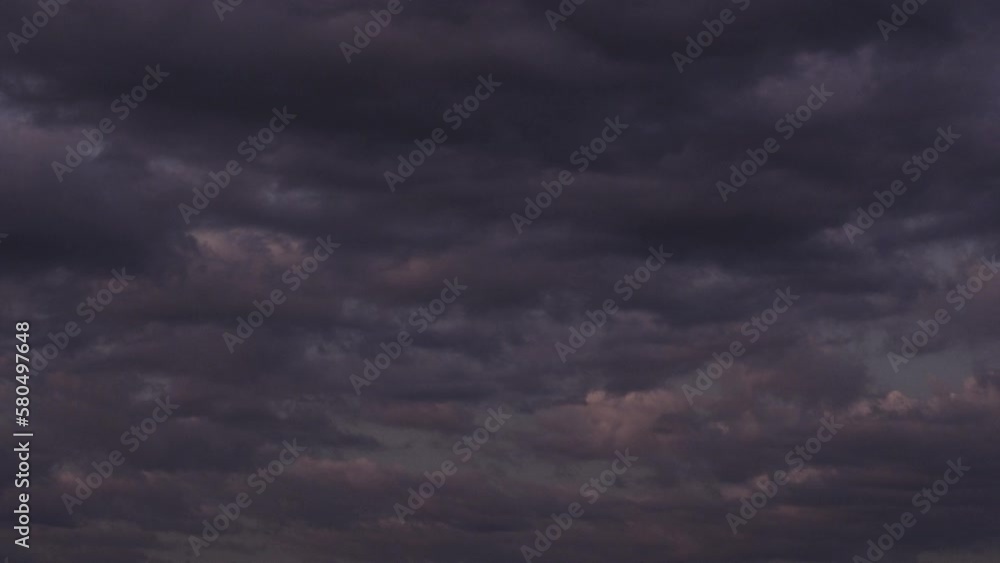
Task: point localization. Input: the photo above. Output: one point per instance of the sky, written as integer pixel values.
(480, 282)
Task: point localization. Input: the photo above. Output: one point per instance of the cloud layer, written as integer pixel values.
(522, 106)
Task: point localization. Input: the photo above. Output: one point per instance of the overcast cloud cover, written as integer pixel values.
(651, 198)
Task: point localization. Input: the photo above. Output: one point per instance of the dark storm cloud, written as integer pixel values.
(623, 389)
